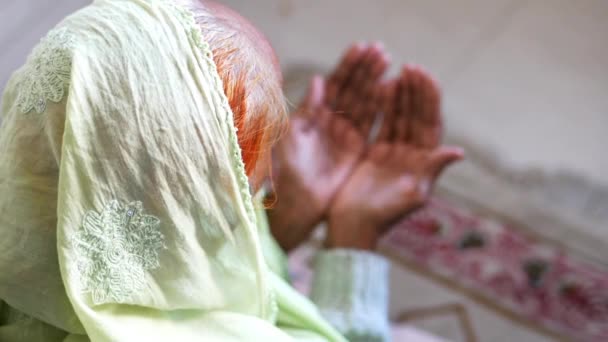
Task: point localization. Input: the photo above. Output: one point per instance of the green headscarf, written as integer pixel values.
(125, 211)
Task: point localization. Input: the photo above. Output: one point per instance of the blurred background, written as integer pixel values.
(525, 86)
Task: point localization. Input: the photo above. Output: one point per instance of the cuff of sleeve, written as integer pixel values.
(350, 288)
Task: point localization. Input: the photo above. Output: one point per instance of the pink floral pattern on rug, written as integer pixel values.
(531, 278)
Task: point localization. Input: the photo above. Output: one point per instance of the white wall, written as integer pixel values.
(526, 78)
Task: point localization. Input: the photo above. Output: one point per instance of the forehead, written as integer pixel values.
(257, 38)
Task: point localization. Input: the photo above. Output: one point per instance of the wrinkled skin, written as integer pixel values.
(327, 169)
(322, 146)
(399, 169)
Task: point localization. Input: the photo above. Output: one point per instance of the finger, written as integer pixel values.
(369, 58)
(313, 97)
(342, 69)
(433, 101)
(371, 93)
(424, 130)
(339, 78)
(441, 158)
(405, 91)
(370, 125)
(432, 118)
(381, 64)
(387, 105)
(348, 98)
(364, 81)
(311, 109)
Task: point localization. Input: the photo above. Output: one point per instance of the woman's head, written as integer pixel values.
(252, 79)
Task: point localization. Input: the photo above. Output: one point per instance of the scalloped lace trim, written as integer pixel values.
(189, 23)
(187, 19)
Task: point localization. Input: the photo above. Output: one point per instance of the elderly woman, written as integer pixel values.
(131, 142)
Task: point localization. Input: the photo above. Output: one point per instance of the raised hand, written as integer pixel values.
(326, 138)
(399, 169)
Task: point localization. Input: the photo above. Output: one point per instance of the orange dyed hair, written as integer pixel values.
(252, 82)
(258, 109)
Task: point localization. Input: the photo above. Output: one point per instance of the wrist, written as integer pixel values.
(291, 222)
(349, 231)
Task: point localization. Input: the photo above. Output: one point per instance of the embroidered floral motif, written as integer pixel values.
(114, 249)
(46, 75)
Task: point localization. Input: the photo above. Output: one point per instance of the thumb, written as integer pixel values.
(442, 157)
(314, 96)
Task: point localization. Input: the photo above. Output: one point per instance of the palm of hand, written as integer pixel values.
(390, 182)
(323, 145)
(399, 169)
(320, 155)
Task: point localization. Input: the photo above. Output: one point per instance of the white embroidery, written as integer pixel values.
(114, 248)
(46, 75)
